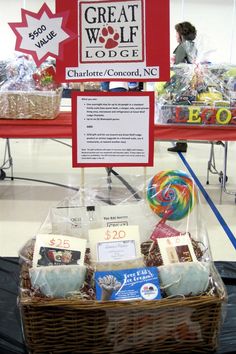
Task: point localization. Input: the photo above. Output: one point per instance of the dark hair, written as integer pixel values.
(186, 30)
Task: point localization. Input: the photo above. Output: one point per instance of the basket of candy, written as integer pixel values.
(198, 94)
(123, 292)
(29, 93)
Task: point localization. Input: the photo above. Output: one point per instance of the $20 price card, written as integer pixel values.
(111, 244)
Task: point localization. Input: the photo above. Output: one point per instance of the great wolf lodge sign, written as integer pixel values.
(116, 40)
(112, 33)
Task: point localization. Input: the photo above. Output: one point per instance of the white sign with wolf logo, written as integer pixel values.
(111, 31)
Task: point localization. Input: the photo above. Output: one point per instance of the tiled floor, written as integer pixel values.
(24, 204)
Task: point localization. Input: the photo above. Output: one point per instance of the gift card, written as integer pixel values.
(128, 284)
(53, 249)
(176, 249)
(115, 243)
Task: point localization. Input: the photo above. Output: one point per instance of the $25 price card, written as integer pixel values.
(53, 249)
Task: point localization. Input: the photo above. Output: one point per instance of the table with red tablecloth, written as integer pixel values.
(61, 127)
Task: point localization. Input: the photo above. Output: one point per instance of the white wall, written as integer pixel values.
(10, 11)
(215, 21)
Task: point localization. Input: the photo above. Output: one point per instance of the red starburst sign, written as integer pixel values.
(41, 34)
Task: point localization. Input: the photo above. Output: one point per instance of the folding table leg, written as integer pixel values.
(224, 176)
(211, 166)
(7, 161)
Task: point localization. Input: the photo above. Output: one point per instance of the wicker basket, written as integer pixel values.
(54, 326)
(30, 104)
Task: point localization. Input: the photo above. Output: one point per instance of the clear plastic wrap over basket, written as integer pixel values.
(189, 312)
(27, 92)
(166, 207)
(197, 94)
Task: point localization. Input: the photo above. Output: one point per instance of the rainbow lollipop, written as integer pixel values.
(171, 194)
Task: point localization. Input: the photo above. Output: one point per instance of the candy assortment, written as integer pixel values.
(197, 94)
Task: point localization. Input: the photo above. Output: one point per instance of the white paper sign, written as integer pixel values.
(113, 129)
(123, 39)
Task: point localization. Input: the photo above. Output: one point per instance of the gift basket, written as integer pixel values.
(198, 94)
(123, 273)
(29, 92)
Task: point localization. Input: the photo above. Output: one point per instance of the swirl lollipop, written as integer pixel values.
(171, 194)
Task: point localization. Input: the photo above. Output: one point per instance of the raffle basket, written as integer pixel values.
(182, 325)
(197, 94)
(182, 321)
(30, 104)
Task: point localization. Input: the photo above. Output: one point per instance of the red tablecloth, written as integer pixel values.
(196, 132)
(61, 127)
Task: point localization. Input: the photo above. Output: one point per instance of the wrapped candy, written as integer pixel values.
(44, 78)
(172, 196)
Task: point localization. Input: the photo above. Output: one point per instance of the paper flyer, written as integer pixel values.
(128, 284)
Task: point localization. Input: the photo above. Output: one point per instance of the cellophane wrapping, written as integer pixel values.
(183, 296)
(166, 207)
(197, 94)
(28, 92)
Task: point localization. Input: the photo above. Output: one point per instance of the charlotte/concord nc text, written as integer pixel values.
(144, 72)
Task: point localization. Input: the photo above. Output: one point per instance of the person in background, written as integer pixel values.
(185, 52)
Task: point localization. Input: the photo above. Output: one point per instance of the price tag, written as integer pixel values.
(53, 249)
(176, 249)
(115, 243)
